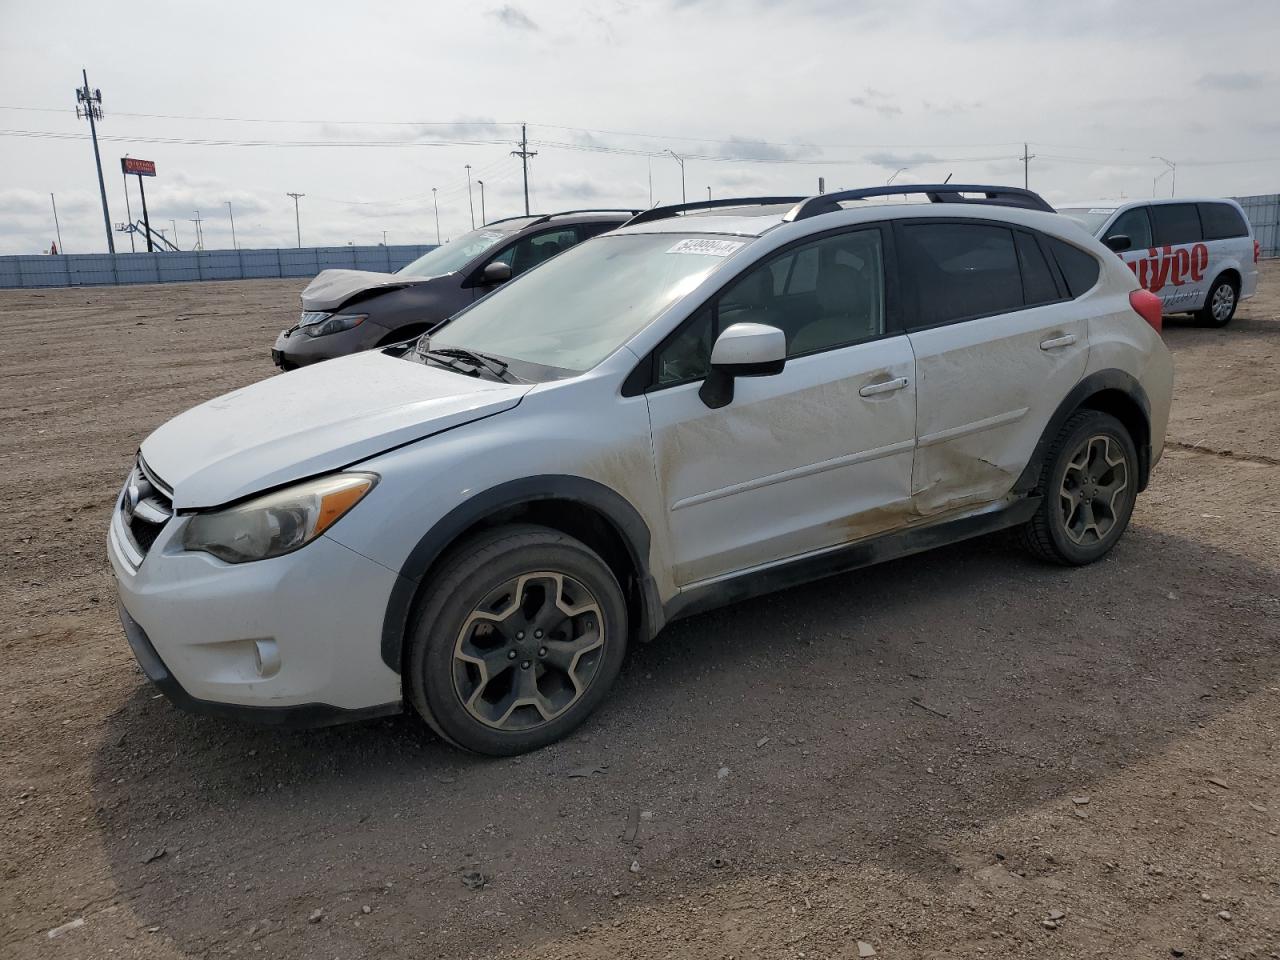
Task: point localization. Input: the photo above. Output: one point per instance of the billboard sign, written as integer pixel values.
(143, 168)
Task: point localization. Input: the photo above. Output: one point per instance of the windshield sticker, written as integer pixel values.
(707, 248)
(1102, 209)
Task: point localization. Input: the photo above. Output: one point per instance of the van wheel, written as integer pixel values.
(517, 640)
(1220, 304)
(1089, 484)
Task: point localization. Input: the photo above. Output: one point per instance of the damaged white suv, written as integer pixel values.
(713, 401)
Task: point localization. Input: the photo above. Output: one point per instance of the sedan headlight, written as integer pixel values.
(333, 323)
(279, 522)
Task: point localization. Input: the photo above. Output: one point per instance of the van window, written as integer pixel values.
(1038, 285)
(1078, 268)
(1222, 221)
(1134, 224)
(1174, 223)
(961, 270)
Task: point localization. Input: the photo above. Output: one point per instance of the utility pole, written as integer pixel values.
(524, 154)
(233, 226)
(127, 212)
(680, 160)
(57, 229)
(435, 203)
(471, 203)
(1026, 159)
(297, 218)
(199, 232)
(1172, 171)
(89, 104)
(483, 219)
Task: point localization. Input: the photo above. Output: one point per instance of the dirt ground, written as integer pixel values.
(960, 754)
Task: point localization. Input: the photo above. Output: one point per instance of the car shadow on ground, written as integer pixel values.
(794, 727)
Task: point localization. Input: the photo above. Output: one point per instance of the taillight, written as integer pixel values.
(1257, 251)
(1148, 306)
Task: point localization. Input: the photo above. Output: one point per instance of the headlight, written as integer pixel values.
(334, 323)
(279, 522)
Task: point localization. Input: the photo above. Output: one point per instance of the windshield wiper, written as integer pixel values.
(495, 366)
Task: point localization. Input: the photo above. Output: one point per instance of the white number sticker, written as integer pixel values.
(707, 248)
(1102, 209)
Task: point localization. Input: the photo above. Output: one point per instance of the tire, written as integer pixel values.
(1090, 473)
(516, 641)
(1220, 305)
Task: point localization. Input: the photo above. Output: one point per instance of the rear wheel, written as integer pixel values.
(1220, 305)
(1089, 485)
(517, 641)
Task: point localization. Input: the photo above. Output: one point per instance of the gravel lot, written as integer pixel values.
(960, 753)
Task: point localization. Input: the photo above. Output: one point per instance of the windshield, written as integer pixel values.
(454, 255)
(573, 311)
(1091, 218)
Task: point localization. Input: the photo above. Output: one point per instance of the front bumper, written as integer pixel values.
(291, 351)
(292, 640)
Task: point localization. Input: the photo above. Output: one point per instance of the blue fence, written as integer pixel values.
(98, 269)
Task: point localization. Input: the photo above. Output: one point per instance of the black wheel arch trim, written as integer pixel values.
(1093, 384)
(616, 509)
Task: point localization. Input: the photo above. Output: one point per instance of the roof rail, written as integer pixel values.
(564, 213)
(936, 192)
(662, 213)
(519, 216)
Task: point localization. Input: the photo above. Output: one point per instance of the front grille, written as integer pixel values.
(146, 505)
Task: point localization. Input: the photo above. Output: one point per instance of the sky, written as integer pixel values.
(366, 107)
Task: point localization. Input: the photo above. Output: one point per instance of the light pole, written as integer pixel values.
(470, 203)
(1172, 171)
(233, 226)
(436, 204)
(384, 238)
(297, 218)
(680, 160)
(708, 193)
(57, 229)
(128, 214)
(483, 218)
(895, 175)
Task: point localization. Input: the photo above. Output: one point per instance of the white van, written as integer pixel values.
(1198, 256)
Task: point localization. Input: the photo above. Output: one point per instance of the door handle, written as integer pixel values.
(873, 389)
(1063, 341)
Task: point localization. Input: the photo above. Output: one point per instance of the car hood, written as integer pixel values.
(332, 288)
(313, 420)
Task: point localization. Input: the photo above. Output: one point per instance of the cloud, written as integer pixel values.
(513, 17)
(1233, 80)
(746, 148)
(950, 107)
(892, 161)
(877, 100)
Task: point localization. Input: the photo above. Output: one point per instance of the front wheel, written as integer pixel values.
(517, 640)
(1220, 304)
(1089, 485)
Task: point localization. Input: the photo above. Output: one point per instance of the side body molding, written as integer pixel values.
(625, 519)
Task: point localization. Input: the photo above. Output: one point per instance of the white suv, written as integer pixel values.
(713, 401)
(1197, 256)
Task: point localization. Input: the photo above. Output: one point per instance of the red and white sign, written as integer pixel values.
(143, 168)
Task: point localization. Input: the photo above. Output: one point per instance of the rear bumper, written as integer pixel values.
(301, 715)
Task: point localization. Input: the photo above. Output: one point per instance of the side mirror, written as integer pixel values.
(743, 350)
(496, 273)
(1119, 242)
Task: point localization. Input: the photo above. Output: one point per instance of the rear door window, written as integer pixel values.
(1038, 285)
(961, 270)
(1134, 224)
(1174, 223)
(1221, 221)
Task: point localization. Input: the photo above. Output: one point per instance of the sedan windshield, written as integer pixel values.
(575, 310)
(1091, 218)
(454, 255)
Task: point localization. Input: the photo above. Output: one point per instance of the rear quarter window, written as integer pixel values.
(1079, 269)
(1174, 223)
(1222, 221)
